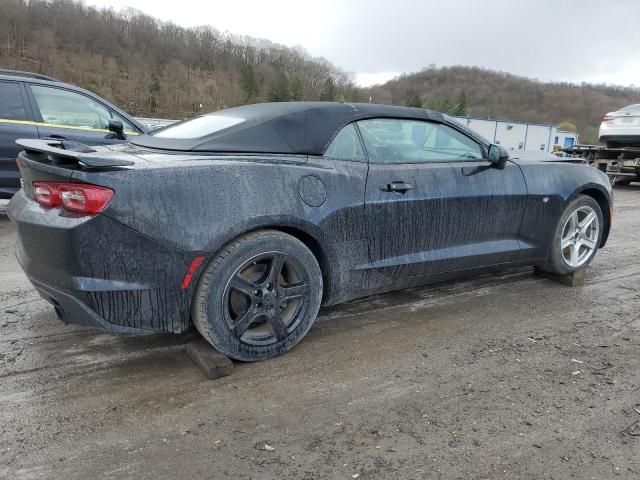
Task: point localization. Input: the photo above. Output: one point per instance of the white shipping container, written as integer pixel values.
(538, 137)
(520, 135)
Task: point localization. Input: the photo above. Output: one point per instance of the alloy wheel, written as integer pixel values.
(580, 236)
(266, 298)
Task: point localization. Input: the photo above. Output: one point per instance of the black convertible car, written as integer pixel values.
(244, 221)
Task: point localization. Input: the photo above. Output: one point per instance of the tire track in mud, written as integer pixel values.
(411, 300)
(61, 351)
(71, 360)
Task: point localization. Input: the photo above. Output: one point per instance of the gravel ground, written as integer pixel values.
(509, 376)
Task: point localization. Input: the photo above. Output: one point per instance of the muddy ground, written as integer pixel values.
(509, 376)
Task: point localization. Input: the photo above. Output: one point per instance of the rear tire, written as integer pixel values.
(258, 296)
(577, 237)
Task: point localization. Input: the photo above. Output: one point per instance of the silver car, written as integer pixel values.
(622, 127)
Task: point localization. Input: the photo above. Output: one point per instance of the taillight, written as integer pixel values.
(609, 117)
(85, 198)
(75, 197)
(46, 193)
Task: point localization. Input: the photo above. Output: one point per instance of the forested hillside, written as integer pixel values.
(151, 68)
(485, 93)
(158, 69)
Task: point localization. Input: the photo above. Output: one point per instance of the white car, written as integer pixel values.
(622, 127)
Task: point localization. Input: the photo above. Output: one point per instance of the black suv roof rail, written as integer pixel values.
(22, 73)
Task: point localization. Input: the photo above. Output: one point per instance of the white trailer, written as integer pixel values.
(520, 135)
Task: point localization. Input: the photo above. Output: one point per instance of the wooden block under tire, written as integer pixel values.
(211, 362)
(575, 279)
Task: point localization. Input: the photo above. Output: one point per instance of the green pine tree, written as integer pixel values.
(154, 93)
(329, 91)
(414, 101)
(352, 95)
(439, 104)
(296, 92)
(279, 89)
(249, 84)
(460, 108)
(445, 105)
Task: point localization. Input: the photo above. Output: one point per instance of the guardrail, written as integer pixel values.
(154, 123)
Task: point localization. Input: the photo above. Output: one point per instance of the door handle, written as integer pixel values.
(400, 187)
(55, 137)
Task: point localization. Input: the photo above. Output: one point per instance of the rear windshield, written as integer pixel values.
(198, 127)
(631, 108)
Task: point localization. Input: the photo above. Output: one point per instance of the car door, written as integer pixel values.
(65, 114)
(433, 203)
(15, 122)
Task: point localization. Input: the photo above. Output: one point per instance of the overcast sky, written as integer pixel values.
(572, 40)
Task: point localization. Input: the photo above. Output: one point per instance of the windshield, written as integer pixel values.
(630, 108)
(198, 127)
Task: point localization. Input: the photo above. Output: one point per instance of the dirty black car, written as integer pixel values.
(244, 221)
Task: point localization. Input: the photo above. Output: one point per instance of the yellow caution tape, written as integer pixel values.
(42, 124)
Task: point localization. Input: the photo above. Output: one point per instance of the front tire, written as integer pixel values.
(577, 237)
(258, 296)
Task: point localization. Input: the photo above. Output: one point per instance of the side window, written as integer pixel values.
(389, 140)
(70, 109)
(11, 106)
(346, 145)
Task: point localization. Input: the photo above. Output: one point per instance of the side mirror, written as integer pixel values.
(117, 128)
(498, 156)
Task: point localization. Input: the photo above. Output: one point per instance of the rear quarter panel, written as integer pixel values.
(198, 204)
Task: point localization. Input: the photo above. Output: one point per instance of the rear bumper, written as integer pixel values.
(71, 310)
(97, 272)
(620, 136)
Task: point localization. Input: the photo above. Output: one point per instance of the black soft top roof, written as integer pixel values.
(285, 127)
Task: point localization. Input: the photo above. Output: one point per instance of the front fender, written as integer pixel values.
(604, 197)
(551, 186)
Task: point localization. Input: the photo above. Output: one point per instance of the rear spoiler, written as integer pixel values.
(65, 152)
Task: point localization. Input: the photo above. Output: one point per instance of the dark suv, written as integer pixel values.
(38, 106)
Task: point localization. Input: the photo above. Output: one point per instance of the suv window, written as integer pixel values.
(11, 106)
(70, 109)
(346, 145)
(390, 140)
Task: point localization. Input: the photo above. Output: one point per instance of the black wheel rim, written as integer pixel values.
(266, 298)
